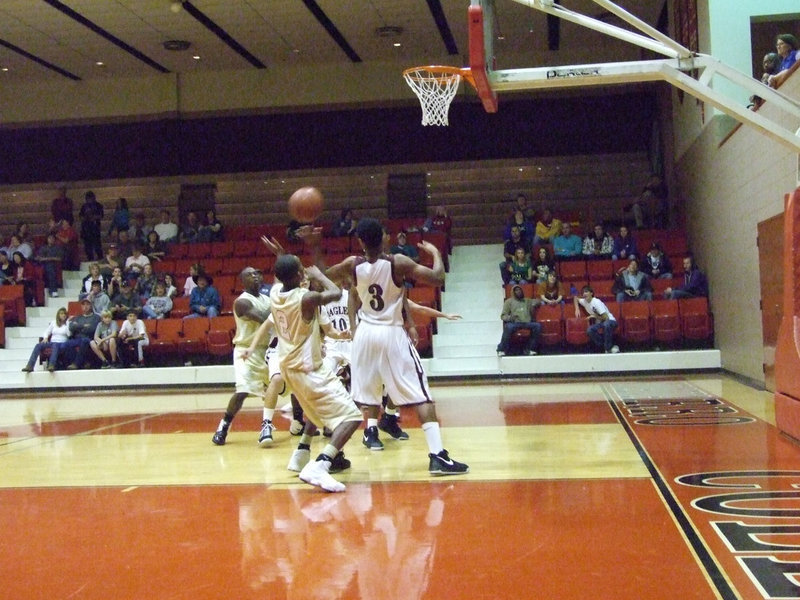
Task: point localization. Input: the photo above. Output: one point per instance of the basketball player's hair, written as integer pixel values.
(285, 267)
(586, 288)
(370, 232)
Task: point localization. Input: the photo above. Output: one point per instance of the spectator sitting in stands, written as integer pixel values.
(167, 230)
(599, 318)
(23, 232)
(138, 230)
(694, 285)
(169, 284)
(509, 250)
(632, 284)
(518, 313)
(624, 245)
(105, 340)
(204, 301)
(126, 301)
(115, 282)
(154, 248)
(567, 246)
(191, 280)
(786, 46)
(403, 247)
(120, 220)
(94, 275)
(98, 297)
(520, 270)
(50, 256)
(24, 276)
(125, 247)
(132, 339)
(211, 229)
(111, 260)
(81, 329)
(521, 203)
(16, 245)
(190, 229)
(598, 245)
(6, 269)
(543, 265)
(136, 262)
(657, 265)
(439, 221)
(159, 304)
(346, 224)
(551, 291)
(146, 282)
(547, 228)
(525, 228)
(55, 335)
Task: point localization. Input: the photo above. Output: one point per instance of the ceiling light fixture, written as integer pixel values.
(177, 45)
(389, 31)
(176, 6)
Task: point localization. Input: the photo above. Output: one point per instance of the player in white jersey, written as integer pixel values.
(383, 355)
(253, 376)
(322, 396)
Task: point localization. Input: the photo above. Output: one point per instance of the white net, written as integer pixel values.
(435, 90)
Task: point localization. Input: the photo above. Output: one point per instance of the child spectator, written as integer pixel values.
(104, 344)
(190, 284)
(159, 304)
(99, 298)
(132, 340)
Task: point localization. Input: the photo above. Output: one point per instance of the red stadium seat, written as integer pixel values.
(603, 290)
(572, 270)
(180, 307)
(223, 323)
(218, 343)
(551, 317)
(599, 270)
(634, 322)
(575, 332)
(659, 285)
(193, 342)
(696, 319)
(666, 321)
(166, 338)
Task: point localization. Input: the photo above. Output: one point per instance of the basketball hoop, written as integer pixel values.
(436, 86)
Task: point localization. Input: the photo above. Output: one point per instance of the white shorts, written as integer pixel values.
(251, 375)
(337, 354)
(275, 369)
(323, 398)
(383, 356)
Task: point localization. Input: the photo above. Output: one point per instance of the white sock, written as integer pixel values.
(433, 436)
(372, 422)
(390, 411)
(268, 414)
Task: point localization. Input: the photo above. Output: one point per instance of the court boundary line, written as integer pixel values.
(713, 570)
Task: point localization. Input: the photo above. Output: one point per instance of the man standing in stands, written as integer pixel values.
(91, 215)
(694, 284)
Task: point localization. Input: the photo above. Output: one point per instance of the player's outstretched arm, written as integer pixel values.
(273, 244)
(313, 300)
(427, 311)
(409, 269)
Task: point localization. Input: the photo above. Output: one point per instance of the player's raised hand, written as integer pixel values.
(310, 235)
(428, 247)
(273, 245)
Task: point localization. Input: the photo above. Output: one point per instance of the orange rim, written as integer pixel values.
(443, 71)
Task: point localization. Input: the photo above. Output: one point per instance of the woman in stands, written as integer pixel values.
(544, 264)
(154, 248)
(55, 335)
(550, 291)
(520, 268)
(169, 284)
(211, 229)
(24, 276)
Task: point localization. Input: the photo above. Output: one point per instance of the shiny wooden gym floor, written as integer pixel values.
(673, 488)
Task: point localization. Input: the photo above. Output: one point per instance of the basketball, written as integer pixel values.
(306, 204)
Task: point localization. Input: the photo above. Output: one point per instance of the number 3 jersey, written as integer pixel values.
(381, 297)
